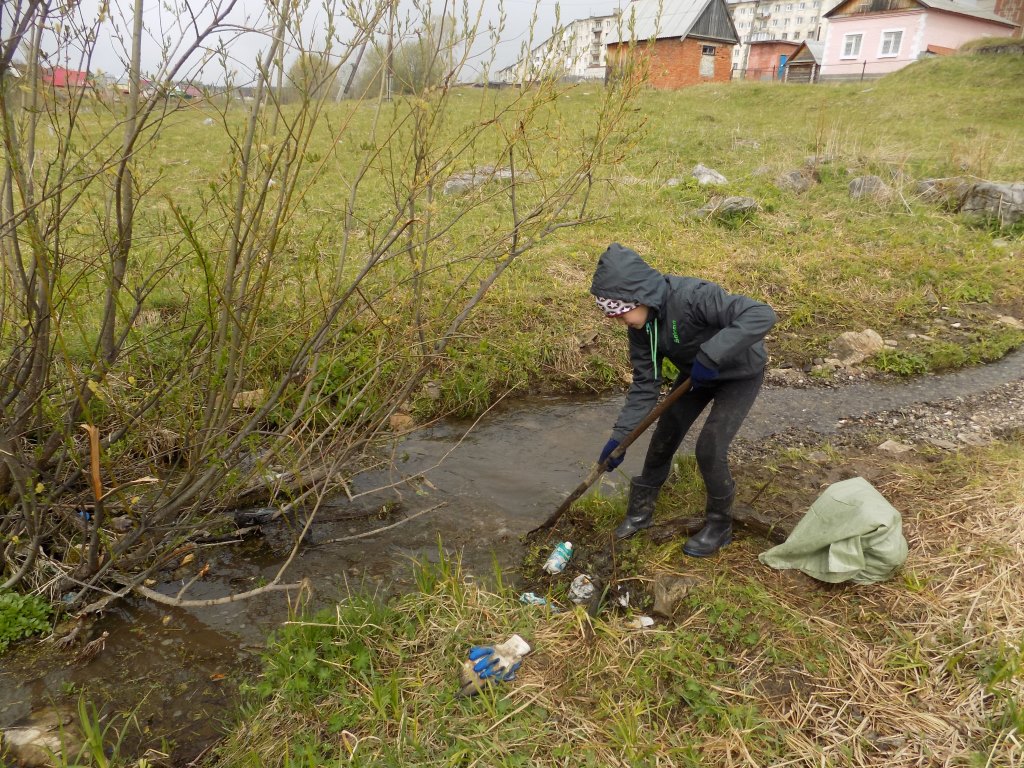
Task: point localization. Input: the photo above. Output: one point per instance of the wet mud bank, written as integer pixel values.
(480, 490)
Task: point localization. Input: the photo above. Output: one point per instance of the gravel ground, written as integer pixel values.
(949, 424)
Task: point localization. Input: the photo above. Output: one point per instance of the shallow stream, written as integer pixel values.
(178, 669)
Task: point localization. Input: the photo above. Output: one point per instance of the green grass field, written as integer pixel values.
(825, 262)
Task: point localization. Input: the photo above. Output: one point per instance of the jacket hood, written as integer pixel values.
(621, 274)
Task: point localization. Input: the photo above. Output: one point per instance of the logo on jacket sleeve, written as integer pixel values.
(675, 333)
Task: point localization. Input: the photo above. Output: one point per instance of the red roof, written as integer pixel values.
(59, 77)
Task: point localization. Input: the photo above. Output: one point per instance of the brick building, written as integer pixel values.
(767, 59)
(1014, 11)
(677, 42)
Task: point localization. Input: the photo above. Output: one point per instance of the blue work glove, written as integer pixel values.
(501, 661)
(610, 446)
(700, 374)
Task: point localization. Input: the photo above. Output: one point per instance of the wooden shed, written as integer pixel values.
(805, 63)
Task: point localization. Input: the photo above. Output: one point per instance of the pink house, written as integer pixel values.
(870, 38)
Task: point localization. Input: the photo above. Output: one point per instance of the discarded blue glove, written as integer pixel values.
(701, 374)
(490, 666)
(499, 662)
(610, 446)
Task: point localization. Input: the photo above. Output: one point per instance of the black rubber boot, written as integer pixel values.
(639, 510)
(717, 530)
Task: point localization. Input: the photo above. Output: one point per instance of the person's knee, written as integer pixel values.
(710, 453)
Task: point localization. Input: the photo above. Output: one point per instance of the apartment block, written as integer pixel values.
(760, 20)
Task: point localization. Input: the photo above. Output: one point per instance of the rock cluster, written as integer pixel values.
(464, 181)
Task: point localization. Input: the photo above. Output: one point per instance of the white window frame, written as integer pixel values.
(881, 44)
(860, 44)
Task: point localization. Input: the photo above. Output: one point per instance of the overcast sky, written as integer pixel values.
(175, 24)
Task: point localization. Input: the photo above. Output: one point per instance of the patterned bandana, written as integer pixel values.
(614, 307)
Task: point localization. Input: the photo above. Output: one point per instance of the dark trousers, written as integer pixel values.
(730, 403)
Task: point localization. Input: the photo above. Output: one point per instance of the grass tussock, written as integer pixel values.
(761, 668)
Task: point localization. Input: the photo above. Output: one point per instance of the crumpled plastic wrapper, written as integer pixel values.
(581, 591)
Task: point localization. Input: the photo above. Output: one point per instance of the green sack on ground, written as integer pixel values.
(851, 533)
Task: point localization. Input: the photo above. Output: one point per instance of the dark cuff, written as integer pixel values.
(706, 361)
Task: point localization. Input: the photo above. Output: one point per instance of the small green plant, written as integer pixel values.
(21, 616)
(900, 363)
(945, 355)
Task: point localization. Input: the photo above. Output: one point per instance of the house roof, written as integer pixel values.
(813, 50)
(947, 6)
(965, 10)
(660, 19)
(59, 77)
(787, 43)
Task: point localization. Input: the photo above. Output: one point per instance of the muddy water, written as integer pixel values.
(494, 482)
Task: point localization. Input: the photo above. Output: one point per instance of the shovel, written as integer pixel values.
(627, 441)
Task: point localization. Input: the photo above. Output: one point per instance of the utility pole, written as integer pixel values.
(755, 27)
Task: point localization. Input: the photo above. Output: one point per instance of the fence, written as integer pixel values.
(809, 72)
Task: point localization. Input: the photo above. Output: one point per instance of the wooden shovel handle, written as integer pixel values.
(627, 441)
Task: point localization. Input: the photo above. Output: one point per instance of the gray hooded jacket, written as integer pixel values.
(690, 319)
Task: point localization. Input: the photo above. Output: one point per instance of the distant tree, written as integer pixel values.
(312, 75)
(424, 59)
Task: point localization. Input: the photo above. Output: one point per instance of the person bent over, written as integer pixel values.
(714, 337)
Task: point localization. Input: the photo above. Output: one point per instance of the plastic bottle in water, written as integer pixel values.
(558, 559)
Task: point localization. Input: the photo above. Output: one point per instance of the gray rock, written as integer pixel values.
(793, 181)
(464, 181)
(1011, 321)
(708, 176)
(669, 590)
(992, 200)
(869, 186)
(854, 347)
(725, 207)
(948, 192)
(33, 741)
(894, 447)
